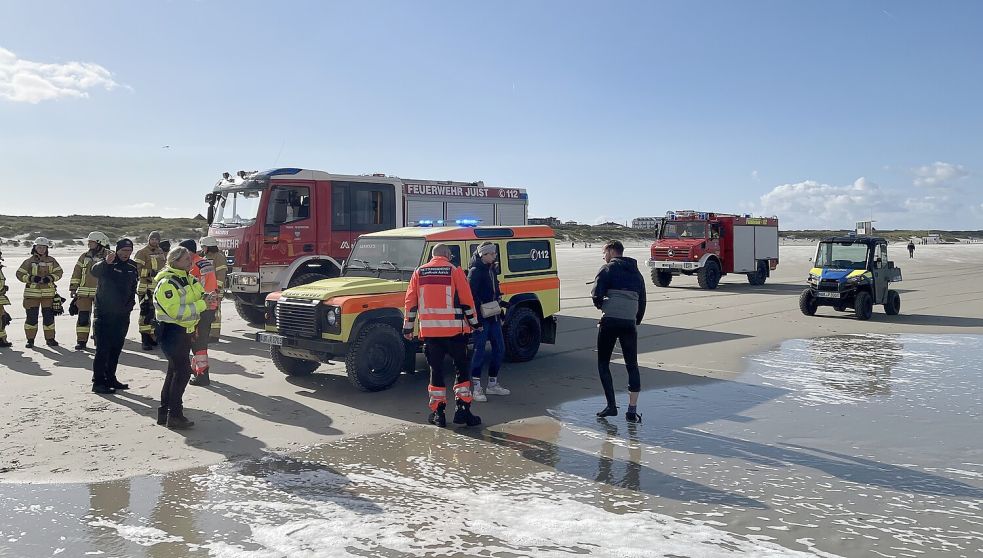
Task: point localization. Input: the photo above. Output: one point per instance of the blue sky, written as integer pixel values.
(820, 112)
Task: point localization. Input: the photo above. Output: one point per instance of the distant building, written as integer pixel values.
(548, 221)
(645, 222)
(611, 225)
(932, 239)
(571, 223)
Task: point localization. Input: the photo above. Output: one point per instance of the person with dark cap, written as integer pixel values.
(619, 293)
(149, 261)
(116, 291)
(203, 270)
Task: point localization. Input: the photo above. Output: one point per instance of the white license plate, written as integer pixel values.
(270, 339)
(822, 294)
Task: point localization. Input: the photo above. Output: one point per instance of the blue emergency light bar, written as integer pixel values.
(467, 222)
(430, 223)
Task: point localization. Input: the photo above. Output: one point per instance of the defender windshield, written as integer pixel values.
(679, 229)
(237, 208)
(385, 254)
(842, 255)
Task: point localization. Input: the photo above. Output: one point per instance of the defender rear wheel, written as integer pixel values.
(863, 305)
(375, 359)
(661, 278)
(807, 303)
(893, 303)
(523, 333)
(292, 366)
(709, 275)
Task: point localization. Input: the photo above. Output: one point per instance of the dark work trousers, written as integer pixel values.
(624, 332)
(436, 348)
(175, 341)
(203, 330)
(110, 330)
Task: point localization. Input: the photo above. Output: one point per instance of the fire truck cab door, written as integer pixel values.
(289, 226)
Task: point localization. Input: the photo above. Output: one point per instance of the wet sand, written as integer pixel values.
(746, 451)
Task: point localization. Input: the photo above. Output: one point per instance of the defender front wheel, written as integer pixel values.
(807, 303)
(375, 359)
(863, 306)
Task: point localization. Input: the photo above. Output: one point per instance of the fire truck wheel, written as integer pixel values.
(523, 332)
(760, 276)
(893, 303)
(375, 359)
(292, 366)
(661, 278)
(305, 278)
(807, 303)
(709, 275)
(863, 305)
(252, 314)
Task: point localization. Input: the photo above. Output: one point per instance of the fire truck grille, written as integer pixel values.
(298, 318)
(661, 253)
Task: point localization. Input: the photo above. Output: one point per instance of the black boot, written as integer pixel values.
(162, 415)
(116, 384)
(437, 417)
(177, 421)
(29, 344)
(51, 342)
(633, 417)
(200, 380)
(145, 342)
(609, 411)
(80, 346)
(103, 389)
(463, 415)
(4, 343)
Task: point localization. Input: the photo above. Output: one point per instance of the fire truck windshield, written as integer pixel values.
(684, 229)
(236, 208)
(392, 254)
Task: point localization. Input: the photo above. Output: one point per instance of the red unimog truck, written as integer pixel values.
(711, 245)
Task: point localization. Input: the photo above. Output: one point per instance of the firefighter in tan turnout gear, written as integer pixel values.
(209, 249)
(40, 272)
(150, 260)
(4, 301)
(83, 286)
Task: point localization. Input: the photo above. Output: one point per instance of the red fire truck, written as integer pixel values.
(286, 227)
(711, 245)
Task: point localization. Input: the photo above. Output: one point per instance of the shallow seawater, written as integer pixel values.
(848, 445)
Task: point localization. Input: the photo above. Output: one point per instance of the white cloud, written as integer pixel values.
(938, 174)
(810, 204)
(754, 175)
(32, 82)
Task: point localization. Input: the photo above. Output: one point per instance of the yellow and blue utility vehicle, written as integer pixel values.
(852, 272)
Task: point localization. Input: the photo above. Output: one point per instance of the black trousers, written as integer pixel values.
(203, 330)
(175, 341)
(110, 330)
(436, 348)
(624, 332)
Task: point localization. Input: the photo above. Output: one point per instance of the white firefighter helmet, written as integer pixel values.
(209, 242)
(42, 241)
(100, 238)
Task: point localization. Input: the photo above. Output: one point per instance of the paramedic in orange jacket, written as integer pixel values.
(439, 298)
(203, 270)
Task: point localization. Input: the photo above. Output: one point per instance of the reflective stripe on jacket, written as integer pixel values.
(83, 283)
(39, 266)
(178, 298)
(439, 298)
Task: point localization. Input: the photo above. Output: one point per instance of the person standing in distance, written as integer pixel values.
(483, 280)
(117, 278)
(619, 292)
(911, 249)
(179, 300)
(40, 272)
(439, 295)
